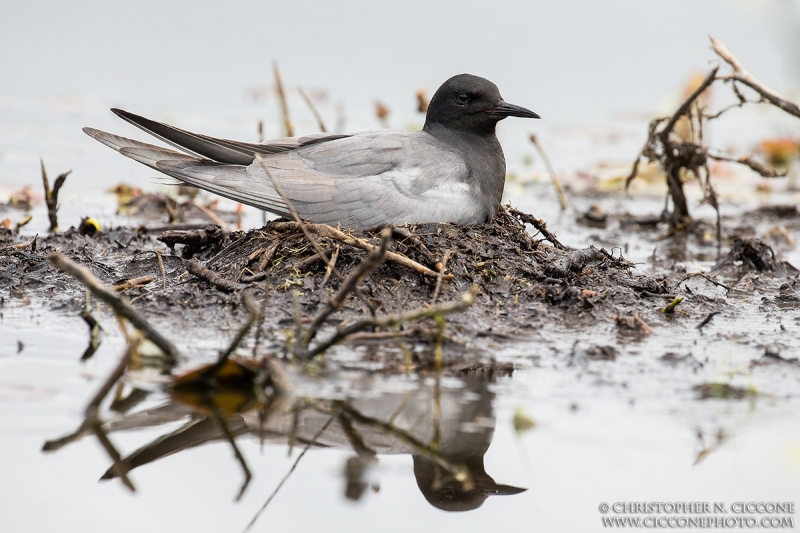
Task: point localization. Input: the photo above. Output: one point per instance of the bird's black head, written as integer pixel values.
(471, 104)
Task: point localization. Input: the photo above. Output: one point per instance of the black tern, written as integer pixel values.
(453, 170)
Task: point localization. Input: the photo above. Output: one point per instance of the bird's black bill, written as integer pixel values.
(494, 489)
(510, 110)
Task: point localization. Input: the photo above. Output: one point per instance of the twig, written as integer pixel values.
(562, 196)
(223, 425)
(440, 277)
(540, 225)
(287, 123)
(706, 277)
(748, 161)
(391, 321)
(741, 75)
(329, 269)
(417, 242)
(686, 106)
(707, 319)
(210, 234)
(51, 196)
(131, 283)
(353, 437)
(95, 332)
(227, 249)
(223, 284)
(370, 263)
(210, 214)
(92, 420)
(161, 267)
(314, 111)
(119, 467)
(120, 306)
(266, 257)
(255, 316)
(304, 226)
(308, 445)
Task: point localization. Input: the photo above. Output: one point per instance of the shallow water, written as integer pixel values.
(627, 430)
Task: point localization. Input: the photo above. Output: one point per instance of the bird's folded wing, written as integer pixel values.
(358, 181)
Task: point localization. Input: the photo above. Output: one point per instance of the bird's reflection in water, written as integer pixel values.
(446, 429)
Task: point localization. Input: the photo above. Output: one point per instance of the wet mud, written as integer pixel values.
(191, 279)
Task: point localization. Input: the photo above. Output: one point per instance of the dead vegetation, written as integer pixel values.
(684, 155)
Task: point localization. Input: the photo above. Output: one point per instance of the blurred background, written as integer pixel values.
(595, 71)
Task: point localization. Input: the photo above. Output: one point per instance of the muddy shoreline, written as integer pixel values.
(525, 284)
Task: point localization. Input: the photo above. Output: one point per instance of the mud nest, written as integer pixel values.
(521, 277)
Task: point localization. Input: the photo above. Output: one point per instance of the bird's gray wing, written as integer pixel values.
(359, 181)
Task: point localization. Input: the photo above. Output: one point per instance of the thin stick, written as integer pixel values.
(120, 306)
(540, 225)
(308, 445)
(299, 221)
(236, 452)
(706, 277)
(255, 316)
(131, 283)
(370, 263)
(334, 257)
(562, 196)
(161, 267)
(741, 75)
(440, 277)
(391, 321)
(687, 105)
(119, 464)
(92, 420)
(287, 123)
(313, 108)
(211, 214)
(111, 380)
(223, 284)
(748, 161)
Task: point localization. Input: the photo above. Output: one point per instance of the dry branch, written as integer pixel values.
(287, 123)
(676, 155)
(120, 306)
(223, 284)
(314, 111)
(741, 75)
(562, 196)
(540, 225)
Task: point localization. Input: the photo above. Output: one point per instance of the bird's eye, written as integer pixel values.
(462, 98)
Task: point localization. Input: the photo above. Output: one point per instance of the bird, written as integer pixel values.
(453, 170)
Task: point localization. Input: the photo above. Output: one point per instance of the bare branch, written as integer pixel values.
(741, 75)
(121, 307)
